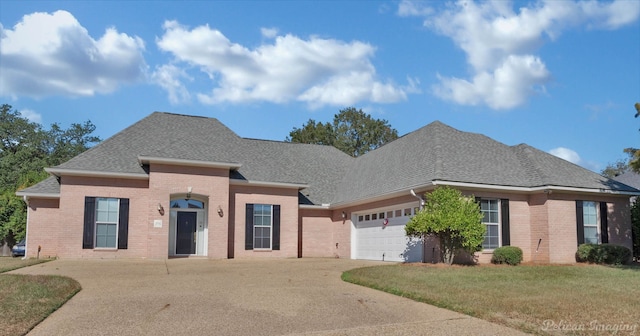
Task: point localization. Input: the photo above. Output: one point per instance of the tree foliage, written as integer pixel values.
(621, 166)
(25, 150)
(635, 227)
(634, 163)
(352, 131)
(454, 219)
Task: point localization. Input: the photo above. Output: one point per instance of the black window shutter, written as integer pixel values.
(276, 227)
(506, 238)
(604, 224)
(579, 222)
(89, 222)
(478, 201)
(123, 224)
(248, 230)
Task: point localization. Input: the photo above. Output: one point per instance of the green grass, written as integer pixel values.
(583, 297)
(9, 264)
(26, 300)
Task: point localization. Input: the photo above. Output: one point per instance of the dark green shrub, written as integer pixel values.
(609, 254)
(510, 255)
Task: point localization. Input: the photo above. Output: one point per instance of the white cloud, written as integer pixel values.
(499, 43)
(168, 77)
(413, 8)
(31, 115)
(52, 54)
(573, 157)
(316, 71)
(566, 154)
(269, 32)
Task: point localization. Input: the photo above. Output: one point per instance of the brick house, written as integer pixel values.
(181, 186)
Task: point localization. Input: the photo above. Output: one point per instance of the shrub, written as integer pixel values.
(510, 255)
(603, 254)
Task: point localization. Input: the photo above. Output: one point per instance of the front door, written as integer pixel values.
(186, 233)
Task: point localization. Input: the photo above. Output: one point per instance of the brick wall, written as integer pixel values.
(73, 190)
(210, 185)
(44, 227)
(288, 201)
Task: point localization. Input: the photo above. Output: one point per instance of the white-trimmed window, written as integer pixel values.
(491, 219)
(107, 222)
(262, 227)
(590, 222)
(262, 224)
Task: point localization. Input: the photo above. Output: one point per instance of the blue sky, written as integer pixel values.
(561, 76)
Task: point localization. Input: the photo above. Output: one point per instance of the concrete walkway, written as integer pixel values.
(238, 297)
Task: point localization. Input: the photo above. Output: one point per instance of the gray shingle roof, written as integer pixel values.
(629, 178)
(50, 185)
(439, 152)
(433, 152)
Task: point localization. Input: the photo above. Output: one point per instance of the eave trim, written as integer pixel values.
(192, 163)
(92, 173)
(268, 184)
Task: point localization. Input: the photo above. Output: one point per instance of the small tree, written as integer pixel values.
(455, 219)
(635, 227)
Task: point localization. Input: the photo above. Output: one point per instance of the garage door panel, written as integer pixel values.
(375, 241)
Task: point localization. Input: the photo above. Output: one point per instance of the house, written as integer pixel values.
(175, 185)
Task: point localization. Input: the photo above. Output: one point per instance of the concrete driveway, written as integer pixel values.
(238, 297)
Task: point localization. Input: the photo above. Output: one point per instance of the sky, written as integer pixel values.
(561, 75)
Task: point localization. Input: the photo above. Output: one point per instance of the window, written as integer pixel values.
(261, 226)
(592, 222)
(106, 223)
(186, 203)
(490, 219)
(262, 230)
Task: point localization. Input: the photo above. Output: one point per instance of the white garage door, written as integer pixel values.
(376, 241)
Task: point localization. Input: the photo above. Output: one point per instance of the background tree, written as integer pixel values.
(635, 227)
(352, 131)
(621, 166)
(454, 219)
(25, 150)
(634, 163)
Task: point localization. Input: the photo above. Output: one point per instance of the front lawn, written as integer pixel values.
(9, 263)
(579, 299)
(26, 300)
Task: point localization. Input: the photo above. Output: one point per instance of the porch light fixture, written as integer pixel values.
(220, 212)
(160, 209)
(189, 189)
(344, 215)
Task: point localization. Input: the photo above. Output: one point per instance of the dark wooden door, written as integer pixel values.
(186, 233)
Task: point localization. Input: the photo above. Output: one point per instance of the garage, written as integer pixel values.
(379, 235)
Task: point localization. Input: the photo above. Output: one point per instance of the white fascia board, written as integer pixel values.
(27, 195)
(191, 163)
(268, 184)
(313, 207)
(537, 189)
(488, 187)
(92, 173)
(392, 194)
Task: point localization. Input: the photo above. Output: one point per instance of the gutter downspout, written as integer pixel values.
(413, 193)
(26, 230)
